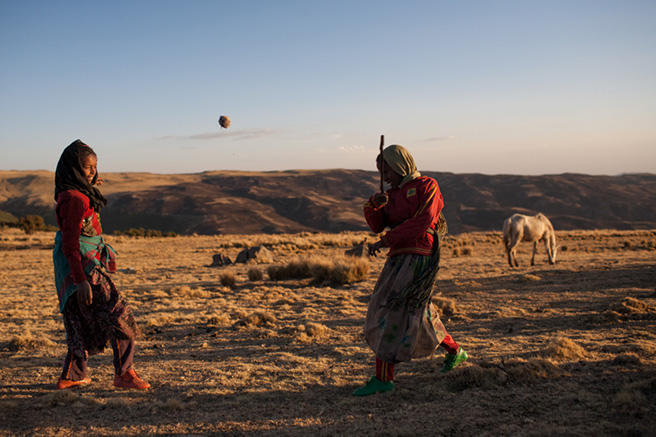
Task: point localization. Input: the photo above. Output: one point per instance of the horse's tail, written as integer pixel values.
(507, 229)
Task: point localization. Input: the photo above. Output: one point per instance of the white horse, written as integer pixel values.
(520, 227)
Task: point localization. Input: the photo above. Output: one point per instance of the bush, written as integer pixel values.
(31, 224)
(141, 232)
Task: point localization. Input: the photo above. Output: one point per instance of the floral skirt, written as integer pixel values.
(89, 328)
(394, 332)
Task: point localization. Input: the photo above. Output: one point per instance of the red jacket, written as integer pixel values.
(72, 208)
(412, 210)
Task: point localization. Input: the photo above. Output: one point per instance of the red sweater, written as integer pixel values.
(72, 208)
(412, 210)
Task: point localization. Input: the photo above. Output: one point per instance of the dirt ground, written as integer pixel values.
(564, 349)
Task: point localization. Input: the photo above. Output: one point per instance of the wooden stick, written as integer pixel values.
(382, 162)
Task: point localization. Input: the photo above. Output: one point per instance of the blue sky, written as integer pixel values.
(495, 87)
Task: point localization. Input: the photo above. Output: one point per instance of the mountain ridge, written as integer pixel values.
(291, 201)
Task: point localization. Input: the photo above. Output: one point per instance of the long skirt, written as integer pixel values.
(397, 333)
(89, 328)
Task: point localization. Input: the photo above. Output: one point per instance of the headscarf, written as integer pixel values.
(402, 162)
(70, 175)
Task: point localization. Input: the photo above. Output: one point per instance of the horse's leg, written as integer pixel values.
(547, 246)
(512, 251)
(506, 245)
(535, 250)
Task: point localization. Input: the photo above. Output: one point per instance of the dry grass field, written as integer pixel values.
(565, 349)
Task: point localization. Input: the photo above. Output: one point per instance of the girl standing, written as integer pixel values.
(93, 310)
(401, 321)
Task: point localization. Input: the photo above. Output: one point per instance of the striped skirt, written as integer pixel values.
(397, 332)
(89, 328)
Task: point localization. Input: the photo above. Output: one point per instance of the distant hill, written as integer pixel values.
(230, 202)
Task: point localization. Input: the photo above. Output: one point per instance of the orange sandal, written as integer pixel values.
(130, 379)
(68, 383)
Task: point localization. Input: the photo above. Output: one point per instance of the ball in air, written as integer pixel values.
(224, 121)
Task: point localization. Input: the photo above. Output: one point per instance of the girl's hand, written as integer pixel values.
(84, 294)
(381, 199)
(100, 181)
(375, 248)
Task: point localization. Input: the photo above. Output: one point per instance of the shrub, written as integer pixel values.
(31, 224)
(141, 232)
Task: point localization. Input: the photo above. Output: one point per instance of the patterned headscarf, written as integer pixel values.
(70, 175)
(402, 162)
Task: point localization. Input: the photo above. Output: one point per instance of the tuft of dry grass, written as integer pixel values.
(86, 401)
(117, 403)
(445, 307)
(68, 397)
(258, 319)
(627, 359)
(161, 320)
(564, 349)
(297, 268)
(630, 402)
(471, 376)
(171, 404)
(58, 398)
(26, 341)
(531, 278)
(228, 279)
(340, 270)
(218, 319)
(463, 251)
(532, 369)
(630, 305)
(186, 291)
(311, 331)
(315, 329)
(633, 400)
(490, 375)
(255, 275)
